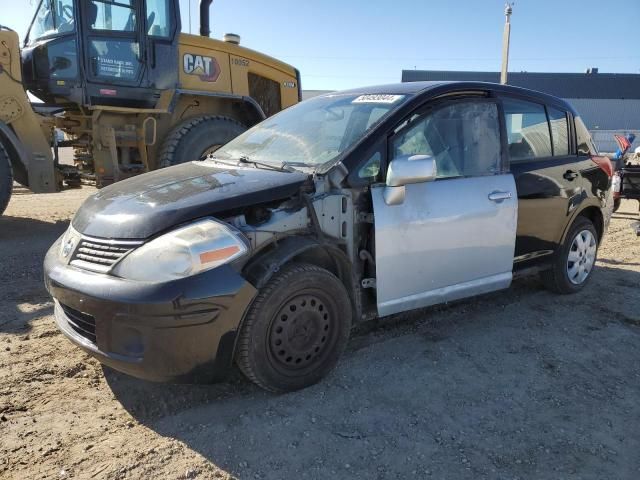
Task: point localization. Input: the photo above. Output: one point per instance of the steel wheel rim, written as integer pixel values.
(582, 256)
(301, 333)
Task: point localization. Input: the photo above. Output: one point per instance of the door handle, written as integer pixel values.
(570, 175)
(499, 196)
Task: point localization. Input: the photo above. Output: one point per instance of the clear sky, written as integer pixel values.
(340, 44)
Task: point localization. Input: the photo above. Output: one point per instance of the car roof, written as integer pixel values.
(415, 89)
(406, 88)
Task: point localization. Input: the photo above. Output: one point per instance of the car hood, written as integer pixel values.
(142, 206)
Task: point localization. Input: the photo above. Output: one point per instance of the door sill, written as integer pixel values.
(446, 294)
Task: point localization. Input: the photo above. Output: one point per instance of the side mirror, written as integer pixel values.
(405, 170)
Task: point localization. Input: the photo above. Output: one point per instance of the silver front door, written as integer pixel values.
(453, 237)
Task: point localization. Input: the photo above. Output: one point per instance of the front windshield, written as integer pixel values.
(312, 133)
(52, 17)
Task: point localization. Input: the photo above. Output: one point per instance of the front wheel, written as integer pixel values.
(574, 263)
(296, 329)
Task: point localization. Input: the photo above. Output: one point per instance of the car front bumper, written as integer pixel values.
(178, 331)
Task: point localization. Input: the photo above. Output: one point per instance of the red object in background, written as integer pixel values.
(604, 163)
(623, 142)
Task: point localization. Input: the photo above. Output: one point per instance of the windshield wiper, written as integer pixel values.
(221, 161)
(281, 168)
(299, 164)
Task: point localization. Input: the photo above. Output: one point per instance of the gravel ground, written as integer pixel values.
(518, 384)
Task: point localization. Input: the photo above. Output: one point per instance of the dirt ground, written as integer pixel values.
(521, 384)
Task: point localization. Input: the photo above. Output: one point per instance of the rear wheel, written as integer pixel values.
(6, 179)
(296, 329)
(574, 263)
(197, 137)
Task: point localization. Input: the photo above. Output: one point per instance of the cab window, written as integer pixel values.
(52, 18)
(118, 16)
(527, 130)
(158, 18)
(463, 138)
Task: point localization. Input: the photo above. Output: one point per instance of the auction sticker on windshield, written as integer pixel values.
(378, 98)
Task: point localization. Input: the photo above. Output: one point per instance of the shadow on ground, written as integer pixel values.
(517, 384)
(24, 243)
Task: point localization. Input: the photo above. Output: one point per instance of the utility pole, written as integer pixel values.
(506, 37)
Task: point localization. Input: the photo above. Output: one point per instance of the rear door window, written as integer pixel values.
(463, 138)
(559, 131)
(527, 130)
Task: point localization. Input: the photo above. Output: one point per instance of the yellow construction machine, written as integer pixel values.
(127, 90)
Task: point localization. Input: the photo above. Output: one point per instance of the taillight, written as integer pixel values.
(604, 163)
(616, 184)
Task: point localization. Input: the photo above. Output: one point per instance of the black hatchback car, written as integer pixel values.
(345, 207)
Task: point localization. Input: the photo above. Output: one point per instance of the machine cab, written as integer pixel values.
(102, 52)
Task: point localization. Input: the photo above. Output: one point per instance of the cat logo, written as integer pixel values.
(206, 68)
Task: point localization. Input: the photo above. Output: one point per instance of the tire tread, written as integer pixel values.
(553, 278)
(172, 142)
(243, 356)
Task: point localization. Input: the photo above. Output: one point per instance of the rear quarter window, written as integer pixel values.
(584, 140)
(559, 131)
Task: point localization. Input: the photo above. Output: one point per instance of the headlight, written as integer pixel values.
(186, 251)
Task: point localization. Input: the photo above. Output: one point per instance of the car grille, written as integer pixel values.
(81, 323)
(100, 255)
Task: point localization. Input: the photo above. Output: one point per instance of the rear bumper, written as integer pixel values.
(179, 331)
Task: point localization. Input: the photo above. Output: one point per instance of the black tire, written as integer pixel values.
(192, 138)
(557, 279)
(6, 179)
(295, 330)
(616, 204)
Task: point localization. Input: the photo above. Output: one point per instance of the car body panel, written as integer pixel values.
(447, 240)
(546, 200)
(142, 206)
(182, 330)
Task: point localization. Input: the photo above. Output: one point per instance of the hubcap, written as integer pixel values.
(300, 332)
(582, 256)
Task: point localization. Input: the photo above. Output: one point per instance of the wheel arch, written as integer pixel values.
(594, 214)
(327, 255)
(238, 107)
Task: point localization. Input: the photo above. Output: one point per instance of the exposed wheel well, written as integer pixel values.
(330, 257)
(336, 264)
